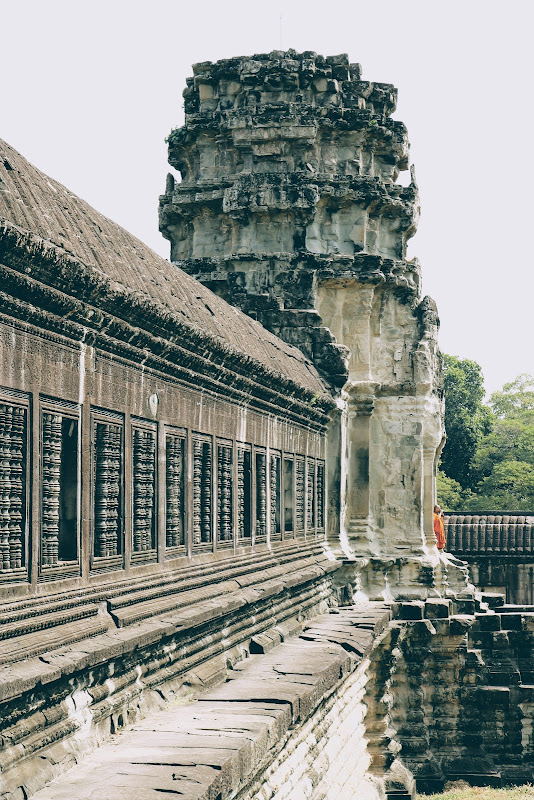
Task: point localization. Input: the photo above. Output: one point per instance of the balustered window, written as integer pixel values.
(202, 492)
(261, 497)
(300, 496)
(108, 469)
(320, 494)
(276, 496)
(59, 487)
(244, 494)
(13, 486)
(225, 493)
(144, 489)
(175, 495)
(289, 494)
(310, 496)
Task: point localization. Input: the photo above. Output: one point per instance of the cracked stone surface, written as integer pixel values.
(213, 746)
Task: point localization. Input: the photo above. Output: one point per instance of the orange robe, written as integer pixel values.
(439, 531)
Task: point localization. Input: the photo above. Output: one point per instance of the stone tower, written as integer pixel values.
(289, 208)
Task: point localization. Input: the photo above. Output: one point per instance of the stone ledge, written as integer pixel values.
(212, 747)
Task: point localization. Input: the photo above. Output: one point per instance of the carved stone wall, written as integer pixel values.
(289, 207)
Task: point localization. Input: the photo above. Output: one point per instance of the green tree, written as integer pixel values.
(516, 398)
(449, 492)
(509, 487)
(504, 462)
(467, 419)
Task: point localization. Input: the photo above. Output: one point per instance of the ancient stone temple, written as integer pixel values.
(289, 208)
(218, 578)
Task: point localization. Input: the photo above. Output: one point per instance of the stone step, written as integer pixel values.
(35, 623)
(58, 633)
(214, 746)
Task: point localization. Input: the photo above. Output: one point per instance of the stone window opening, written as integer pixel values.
(289, 495)
(13, 488)
(108, 490)
(300, 495)
(320, 495)
(59, 487)
(244, 494)
(310, 497)
(144, 530)
(276, 496)
(225, 494)
(261, 497)
(175, 490)
(202, 492)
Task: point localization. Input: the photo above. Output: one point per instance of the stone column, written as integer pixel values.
(361, 399)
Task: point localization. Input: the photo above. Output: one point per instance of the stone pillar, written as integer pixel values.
(361, 399)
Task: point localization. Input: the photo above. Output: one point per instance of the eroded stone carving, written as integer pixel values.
(289, 208)
(51, 488)
(144, 474)
(174, 464)
(108, 472)
(224, 492)
(12, 477)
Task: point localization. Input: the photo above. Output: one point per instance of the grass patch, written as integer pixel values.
(483, 793)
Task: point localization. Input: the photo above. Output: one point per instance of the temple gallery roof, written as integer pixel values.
(38, 208)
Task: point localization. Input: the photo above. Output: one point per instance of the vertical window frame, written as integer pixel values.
(320, 496)
(260, 536)
(227, 444)
(276, 535)
(244, 541)
(12, 397)
(288, 533)
(71, 567)
(111, 562)
(203, 546)
(173, 551)
(150, 554)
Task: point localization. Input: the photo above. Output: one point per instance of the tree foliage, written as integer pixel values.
(496, 445)
(467, 419)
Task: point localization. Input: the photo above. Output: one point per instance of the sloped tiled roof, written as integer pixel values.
(41, 206)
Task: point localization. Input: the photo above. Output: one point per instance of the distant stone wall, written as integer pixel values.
(499, 548)
(463, 693)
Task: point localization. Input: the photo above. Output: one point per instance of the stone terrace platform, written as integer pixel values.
(288, 722)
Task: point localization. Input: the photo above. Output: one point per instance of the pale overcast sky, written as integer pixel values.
(90, 90)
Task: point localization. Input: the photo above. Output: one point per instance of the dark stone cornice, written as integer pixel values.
(46, 280)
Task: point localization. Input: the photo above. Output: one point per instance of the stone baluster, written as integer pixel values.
(310, 496)
(16, 508)
(51, 448)
(300, 494)
(320, 496)
(275, 475)
(206, 492)
(174, 531)
(6, 416)
(241, 505)
(197, 492)
(144, 473)
(108, 469)
(261, 496)
(12, 483)
(224, 492)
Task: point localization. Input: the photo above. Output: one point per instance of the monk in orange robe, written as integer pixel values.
(439, 528)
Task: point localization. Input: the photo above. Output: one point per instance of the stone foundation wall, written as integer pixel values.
(463, 693)
(65, 698)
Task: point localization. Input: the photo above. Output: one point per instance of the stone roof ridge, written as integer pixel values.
(37, 209)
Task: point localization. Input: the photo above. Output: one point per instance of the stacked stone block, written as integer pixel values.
(289, 207)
